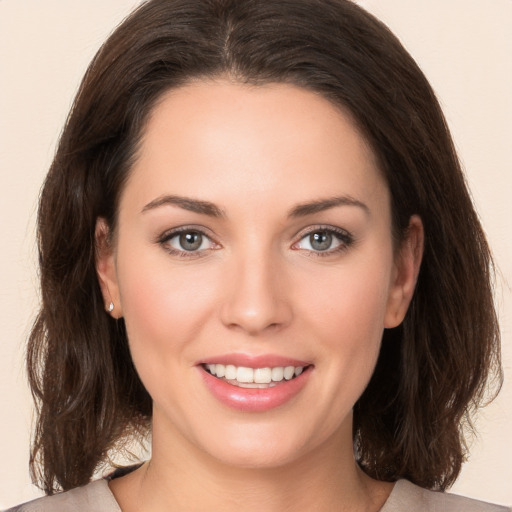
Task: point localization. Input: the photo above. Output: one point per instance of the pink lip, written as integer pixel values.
(262, 361)
(255, 399)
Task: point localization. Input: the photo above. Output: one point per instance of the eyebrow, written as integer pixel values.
(212, 210)
(187, 203)
(321, 205)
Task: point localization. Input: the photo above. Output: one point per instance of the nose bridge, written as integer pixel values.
(255, 298)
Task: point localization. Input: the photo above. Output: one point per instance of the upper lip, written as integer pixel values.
(252, 361)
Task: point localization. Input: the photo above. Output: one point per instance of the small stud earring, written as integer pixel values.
(110, 307)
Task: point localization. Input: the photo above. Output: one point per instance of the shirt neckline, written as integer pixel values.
(119, 472)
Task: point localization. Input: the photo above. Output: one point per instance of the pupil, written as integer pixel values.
(191, 241)
(321, 241)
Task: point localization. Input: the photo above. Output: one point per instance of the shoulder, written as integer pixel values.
(94, 496)
(408, 497)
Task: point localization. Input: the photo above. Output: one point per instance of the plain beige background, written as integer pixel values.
(463, 46)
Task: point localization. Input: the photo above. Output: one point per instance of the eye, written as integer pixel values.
(189, 241)
(324, 241)
(186, 242)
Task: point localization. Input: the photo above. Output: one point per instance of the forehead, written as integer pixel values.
(225, 140)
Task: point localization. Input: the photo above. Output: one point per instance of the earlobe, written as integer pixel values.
(106, 269)
(407, 267)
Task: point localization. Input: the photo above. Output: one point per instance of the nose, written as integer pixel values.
(256, 299)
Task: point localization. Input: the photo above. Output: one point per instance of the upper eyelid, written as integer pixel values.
(172, 232)
(322, 227)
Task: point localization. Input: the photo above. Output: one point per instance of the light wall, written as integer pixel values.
(464, 47)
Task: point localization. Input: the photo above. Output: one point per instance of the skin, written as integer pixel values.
(256, 286)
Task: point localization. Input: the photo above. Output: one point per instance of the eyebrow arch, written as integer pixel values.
(187, 203)
(321, 205)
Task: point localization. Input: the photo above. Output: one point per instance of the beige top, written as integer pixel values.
(405, 497)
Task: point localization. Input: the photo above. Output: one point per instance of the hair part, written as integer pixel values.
(432, 370)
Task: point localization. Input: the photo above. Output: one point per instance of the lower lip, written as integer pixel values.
(254, 399)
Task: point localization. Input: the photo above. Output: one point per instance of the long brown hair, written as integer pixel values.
(432, 371)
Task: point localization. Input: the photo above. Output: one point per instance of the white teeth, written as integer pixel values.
(253, 377)
(289, 372)
(262, 375)
(220, 370)
(244, 374)
(230, 372)
(254, 385)
(277, 373)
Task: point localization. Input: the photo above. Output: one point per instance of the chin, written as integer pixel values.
(257, 446)
(256, 457)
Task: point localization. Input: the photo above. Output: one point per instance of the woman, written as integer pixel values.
(265, 199)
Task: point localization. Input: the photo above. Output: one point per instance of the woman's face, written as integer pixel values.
(254, 267)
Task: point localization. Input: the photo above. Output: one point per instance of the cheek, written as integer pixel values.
(164, 311)
(345, 311)
(349, 302)
(164, 307)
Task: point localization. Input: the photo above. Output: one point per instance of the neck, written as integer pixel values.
(181, 477)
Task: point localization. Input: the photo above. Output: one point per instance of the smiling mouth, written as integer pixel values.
(256, 378)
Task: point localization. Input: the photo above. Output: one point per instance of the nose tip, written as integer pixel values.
(253, 322)
(255, 301)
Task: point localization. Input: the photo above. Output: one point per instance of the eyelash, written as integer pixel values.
(164, 239)
(344, 237)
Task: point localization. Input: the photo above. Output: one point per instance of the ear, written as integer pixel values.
(106, 269)
(405, 274)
